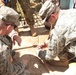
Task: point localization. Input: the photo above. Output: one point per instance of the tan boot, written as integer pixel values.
(33, 33)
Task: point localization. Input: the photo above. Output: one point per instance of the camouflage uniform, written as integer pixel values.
(27, 8)
(62, 37)
(28, 11)
(6, 66)
(5, 52)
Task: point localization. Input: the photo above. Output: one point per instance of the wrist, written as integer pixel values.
(12, 34)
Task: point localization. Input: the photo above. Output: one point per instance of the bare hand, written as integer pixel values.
(17, 39)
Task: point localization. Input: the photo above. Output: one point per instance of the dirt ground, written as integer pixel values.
(27, 50)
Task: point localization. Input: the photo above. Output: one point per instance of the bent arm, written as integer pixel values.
(55, 45)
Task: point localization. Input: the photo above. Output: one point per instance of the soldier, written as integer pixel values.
(28, 8)
(8, 19)
(62, 41)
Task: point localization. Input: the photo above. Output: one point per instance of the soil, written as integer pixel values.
(27, 50)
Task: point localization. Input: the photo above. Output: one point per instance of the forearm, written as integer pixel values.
(15, 37)
(12, 34)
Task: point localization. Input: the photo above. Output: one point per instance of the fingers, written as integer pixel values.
(17, 39)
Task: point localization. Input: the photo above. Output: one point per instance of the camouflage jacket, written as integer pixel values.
(63, 34)
(6, 67)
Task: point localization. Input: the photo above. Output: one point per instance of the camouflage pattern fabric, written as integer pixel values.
(6, 66)
(25, 4)
(9, 15)
(26, 7)
(28, 10)
(63, 36)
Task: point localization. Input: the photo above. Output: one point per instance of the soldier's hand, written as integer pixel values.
(17, 39)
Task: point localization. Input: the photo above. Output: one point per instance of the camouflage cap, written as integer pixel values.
(9, 15)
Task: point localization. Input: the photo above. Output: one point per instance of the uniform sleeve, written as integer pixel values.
(55, 45)
(5, 55)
